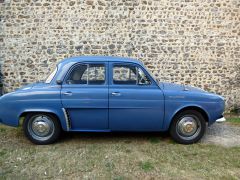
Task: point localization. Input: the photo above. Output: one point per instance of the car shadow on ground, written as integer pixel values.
(104, 137)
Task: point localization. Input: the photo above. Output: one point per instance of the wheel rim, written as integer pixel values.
(41, 127)
(188, 127)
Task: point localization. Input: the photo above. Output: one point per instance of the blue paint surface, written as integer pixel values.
(94, 108)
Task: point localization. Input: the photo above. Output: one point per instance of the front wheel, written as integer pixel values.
(41, 128)
(188, 127)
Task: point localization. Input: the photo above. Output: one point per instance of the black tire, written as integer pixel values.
(49, 123)
(179, 130)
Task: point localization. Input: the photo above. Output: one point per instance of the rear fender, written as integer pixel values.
(58, 113)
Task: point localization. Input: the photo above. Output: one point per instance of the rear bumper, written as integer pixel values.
(222, 119)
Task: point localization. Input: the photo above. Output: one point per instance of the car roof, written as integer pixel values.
(100, 59)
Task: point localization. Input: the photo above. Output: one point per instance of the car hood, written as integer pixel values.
(179, 87)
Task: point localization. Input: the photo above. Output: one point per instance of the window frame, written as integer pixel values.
(86, 64)
(130, 64)
(51, 76)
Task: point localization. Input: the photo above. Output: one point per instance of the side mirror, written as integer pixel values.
(59, 82)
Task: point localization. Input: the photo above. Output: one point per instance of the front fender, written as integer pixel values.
(213, 110)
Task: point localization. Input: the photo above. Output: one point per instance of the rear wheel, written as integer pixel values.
(41, 128)
(188, 127)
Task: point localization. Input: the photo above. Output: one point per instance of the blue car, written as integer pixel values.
(106, 94)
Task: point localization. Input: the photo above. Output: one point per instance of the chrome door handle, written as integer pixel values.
(68, 93)
(116, 93)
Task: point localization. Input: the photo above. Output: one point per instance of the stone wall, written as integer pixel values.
(193, 41)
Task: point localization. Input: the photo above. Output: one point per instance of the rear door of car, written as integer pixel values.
(84, 96)
(134, 104)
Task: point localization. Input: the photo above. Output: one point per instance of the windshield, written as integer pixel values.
(50, 77)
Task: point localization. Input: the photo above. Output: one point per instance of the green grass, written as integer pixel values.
(146, 166)
(154, 140)
(2, 129)
(114, 156)
(119, 178)
(2, 152)
(235, 120)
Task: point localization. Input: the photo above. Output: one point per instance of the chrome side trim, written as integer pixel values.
(66, 118)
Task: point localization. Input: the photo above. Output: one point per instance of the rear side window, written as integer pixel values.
(91, 74)
(129, 75)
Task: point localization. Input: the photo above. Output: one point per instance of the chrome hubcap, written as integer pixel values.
(41, 127)
(188, 127)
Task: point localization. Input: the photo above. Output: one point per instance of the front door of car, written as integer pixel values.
(136, 103)
(84, 96)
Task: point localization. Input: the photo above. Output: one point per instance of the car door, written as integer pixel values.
(84, 96)
(136, 103)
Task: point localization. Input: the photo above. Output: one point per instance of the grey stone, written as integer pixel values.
(199, 46)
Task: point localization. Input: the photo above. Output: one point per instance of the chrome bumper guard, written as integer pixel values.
(220, 120)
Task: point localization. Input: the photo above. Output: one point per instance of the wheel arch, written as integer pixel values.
(22, 116)
(196, 108)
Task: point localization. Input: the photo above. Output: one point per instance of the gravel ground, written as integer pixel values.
(222, 134)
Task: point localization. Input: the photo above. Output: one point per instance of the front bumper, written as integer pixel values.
(220, 120)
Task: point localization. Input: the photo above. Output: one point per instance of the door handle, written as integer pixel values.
(116, 93)
(68, 93)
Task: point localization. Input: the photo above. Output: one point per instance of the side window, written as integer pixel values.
(129, 75)
(123, 74)
(92, 74)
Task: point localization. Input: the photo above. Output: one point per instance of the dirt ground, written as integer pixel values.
(223, 134)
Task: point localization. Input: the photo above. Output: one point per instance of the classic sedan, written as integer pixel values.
(105, 94)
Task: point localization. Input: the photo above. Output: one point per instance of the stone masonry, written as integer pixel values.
(194, 42)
